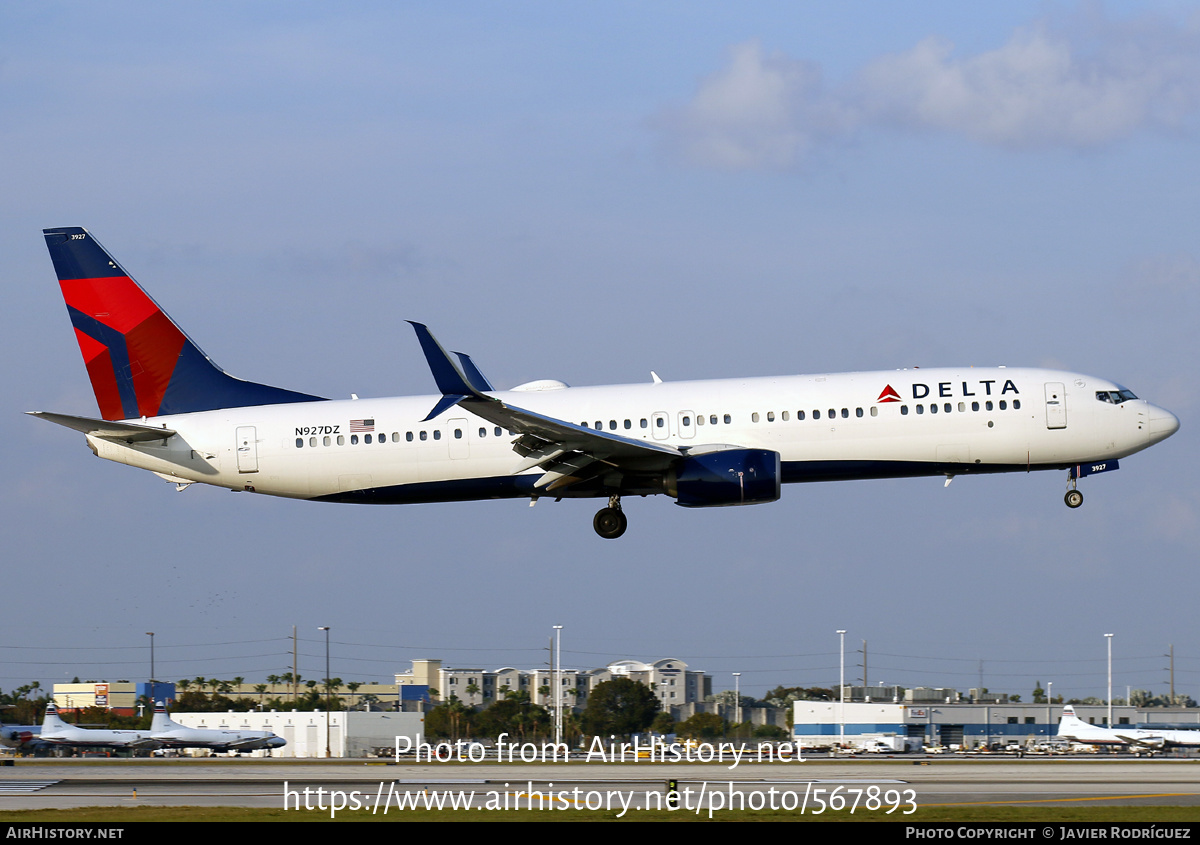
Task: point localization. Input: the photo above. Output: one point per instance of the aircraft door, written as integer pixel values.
(660, 425)
(456, 439)
(686, 422)
(247, 449)
(1056, 405)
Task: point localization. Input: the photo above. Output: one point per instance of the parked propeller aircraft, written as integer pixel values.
(171, 734)
(20, 737)
(57, 732)
(1140, 740)
(166, 407)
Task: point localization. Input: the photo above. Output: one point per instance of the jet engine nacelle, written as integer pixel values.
(726, 477)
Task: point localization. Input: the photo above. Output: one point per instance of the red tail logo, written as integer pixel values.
(889, 394)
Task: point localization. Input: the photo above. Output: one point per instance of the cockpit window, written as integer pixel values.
(1114, 397)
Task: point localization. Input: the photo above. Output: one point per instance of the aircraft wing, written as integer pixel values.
(104, 428)
(568, 453)
(1145, 741)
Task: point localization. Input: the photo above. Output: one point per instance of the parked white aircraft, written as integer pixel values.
(167, 408)
(1139, 740)
(171, 734)
(57, 732)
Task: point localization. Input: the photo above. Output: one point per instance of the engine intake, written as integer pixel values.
(728, 477)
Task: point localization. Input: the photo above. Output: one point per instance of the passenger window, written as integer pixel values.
(645, 423)
(396, 436)
(408, 436)
(920, 409)
(367, 438)
(770, 416)
(799, 415)
(660, 422)
(858, 412)
(845, 413)
(628, 424)
(687, 422)
(1003, 405)
(353, 440)
(974, 406)
(1016, 404)
(312, 441)
(599, 425)
(947, 407)
(299, 442)
(784, 416)
(932, 408)
(498, 430)
(874, 411)
(962, 406)
(904, 410)
(988, 404)
(612, 425)
(437, 434)
(458, 434)
(341, 440)
(712, 419)
(482, 433)
(816, 415)
(832, 413)
(754, 417)
(728, 419)
(699, 419)
(326, 440)
(424, 435)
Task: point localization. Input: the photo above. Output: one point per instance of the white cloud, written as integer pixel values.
(1095, 84)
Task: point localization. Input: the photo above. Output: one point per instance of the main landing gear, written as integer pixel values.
(1073, 498)
(610, 522)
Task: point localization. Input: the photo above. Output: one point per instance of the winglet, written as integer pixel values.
(477, 379)
(451, 380)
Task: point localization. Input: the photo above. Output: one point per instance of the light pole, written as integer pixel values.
(842, 691)
(1050, 705)
(153, 702)
(325, 628)
(558, 684)
(737, 696)
(1109, 638)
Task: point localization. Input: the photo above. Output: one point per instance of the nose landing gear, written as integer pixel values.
(610, 522)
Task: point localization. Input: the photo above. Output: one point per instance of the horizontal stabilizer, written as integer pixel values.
(129, 432)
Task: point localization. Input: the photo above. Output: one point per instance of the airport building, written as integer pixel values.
(819, 723)
(344, 733)
(120, 697)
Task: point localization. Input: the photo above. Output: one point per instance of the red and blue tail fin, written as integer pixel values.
(141, 364)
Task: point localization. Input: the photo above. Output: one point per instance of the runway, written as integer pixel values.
(904, 785)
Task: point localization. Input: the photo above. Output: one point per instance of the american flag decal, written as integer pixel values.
(361, 425)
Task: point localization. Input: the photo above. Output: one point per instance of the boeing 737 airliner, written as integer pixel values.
(166, 407)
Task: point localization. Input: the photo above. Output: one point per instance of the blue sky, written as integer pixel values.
(589, 192)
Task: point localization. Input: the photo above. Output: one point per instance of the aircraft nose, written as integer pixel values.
(1162, 424)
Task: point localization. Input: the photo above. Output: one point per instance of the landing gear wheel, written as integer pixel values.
(610, 523)
(1073, 498)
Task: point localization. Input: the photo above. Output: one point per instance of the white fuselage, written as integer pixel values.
(1079, 731)
(851, 425)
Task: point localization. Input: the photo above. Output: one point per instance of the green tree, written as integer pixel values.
(663, 723)
(701, 726)
(621, 706)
